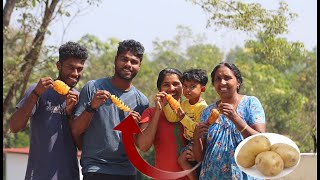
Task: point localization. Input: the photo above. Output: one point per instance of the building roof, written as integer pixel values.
(24, 150)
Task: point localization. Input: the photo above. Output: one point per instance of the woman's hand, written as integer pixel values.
(199, 138)
(228, 110)
(189, 154)
(160, 100)
(136, 116)
(201, 130)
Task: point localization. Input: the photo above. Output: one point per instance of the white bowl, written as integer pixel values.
(273, 138)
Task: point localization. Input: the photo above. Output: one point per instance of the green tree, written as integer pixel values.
(205, 57)
(253, 19)
(305, 82)
(272, 67)
(100, 62)
(29, 58)
(281, 98)
(23, 47)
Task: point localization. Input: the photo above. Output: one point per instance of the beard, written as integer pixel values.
(124, 77)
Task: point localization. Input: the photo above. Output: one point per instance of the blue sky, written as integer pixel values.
(146, 20)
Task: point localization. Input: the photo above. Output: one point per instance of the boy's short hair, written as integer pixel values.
(197, 75)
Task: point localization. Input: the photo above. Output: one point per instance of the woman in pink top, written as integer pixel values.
(167, 137)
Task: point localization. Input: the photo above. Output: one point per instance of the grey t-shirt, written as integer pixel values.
(102, 149)
(53, 154)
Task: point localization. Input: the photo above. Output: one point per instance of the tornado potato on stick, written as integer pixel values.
(119, 103)
(213, 116)
(173, 102)
(61, 87)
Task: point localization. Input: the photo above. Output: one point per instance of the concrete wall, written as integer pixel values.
(306, 170)
(16, 165)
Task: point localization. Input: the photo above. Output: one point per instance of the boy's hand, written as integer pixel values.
(180, 113)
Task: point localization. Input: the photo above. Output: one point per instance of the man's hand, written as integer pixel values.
(71, 100)
(100, 98)
(43, 84)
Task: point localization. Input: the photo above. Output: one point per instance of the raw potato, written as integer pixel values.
(248, 152)
(289, 154)
(269, 163)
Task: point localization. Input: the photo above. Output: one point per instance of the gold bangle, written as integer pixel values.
(244, 128)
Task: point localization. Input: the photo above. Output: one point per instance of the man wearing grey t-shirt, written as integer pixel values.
(103, 154)
(53, 154)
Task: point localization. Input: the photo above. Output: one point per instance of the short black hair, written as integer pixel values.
(197, 75)
(233, 68)
(72, 50)
(133, 46)
(166, 71)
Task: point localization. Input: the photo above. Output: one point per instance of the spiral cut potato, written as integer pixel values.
(61, 87)
(213, 116)
(119, 103)
(173, 102)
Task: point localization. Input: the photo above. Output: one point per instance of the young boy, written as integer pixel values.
(194, 83)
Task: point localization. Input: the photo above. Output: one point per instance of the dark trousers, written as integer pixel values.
(100, 176)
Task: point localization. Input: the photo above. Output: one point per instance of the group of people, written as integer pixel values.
(182, 138)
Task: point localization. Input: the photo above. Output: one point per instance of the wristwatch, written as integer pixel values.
(90, 109)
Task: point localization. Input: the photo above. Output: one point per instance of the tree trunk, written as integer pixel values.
(314, 138)
(7, 11)
(30, 60)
